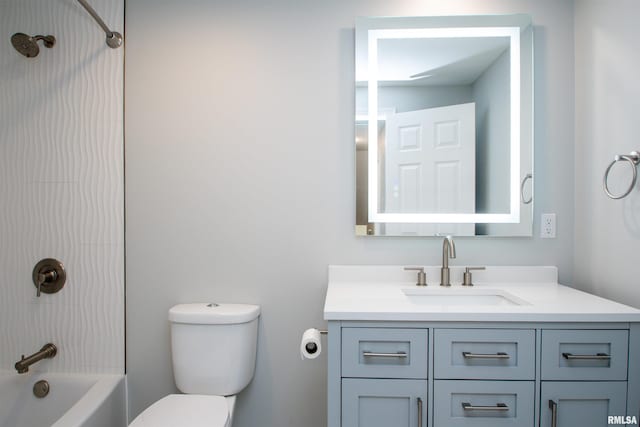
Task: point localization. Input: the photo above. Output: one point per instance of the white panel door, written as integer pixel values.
(430, 167)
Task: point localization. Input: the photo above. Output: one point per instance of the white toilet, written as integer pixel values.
(213, 347)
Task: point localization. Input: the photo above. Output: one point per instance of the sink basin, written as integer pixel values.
(465, 297)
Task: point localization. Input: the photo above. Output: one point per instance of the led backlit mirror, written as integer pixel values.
(443, 126)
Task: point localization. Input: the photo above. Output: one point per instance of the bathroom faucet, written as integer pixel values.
(448, 251)
(46, 352)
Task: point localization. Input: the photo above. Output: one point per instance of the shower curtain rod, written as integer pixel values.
(114, 39)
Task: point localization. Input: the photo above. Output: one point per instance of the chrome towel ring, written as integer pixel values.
(524, 181)
(633, 159)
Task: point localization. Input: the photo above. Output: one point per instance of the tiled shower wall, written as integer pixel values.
(62, 185)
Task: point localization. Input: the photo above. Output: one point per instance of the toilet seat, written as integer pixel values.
(185, 410)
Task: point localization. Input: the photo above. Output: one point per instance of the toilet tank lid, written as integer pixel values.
(213, 313)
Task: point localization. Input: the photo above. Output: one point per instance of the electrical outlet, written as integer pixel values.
(548, 226)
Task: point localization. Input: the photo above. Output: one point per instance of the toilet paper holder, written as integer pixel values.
(311, 348)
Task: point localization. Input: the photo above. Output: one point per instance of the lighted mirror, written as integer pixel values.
(443, 126)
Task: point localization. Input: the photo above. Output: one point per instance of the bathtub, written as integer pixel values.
(74, 400)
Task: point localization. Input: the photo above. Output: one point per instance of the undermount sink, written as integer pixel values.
(466, 297)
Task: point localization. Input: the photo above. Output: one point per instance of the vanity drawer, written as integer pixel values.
(585, 355)
(484, 354)
(384, 353)
(483, 403)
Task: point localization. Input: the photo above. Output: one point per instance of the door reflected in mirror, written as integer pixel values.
(451, 103)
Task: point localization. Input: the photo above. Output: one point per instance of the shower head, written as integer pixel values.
(28, 46)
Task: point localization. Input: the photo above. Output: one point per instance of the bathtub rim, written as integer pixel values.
(91, 401)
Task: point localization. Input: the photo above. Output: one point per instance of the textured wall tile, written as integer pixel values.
(61, 186)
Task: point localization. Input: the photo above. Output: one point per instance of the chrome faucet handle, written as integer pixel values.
(45, 277)
(422, 276)
(467, 279)
(48, 276)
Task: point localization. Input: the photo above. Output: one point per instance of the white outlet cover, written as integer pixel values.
(548, 226)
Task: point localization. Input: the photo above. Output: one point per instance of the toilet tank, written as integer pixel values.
(213, 347)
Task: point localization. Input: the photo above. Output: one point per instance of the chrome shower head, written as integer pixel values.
(28, 46)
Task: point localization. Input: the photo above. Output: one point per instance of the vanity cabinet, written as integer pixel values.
(385, 377)
(584, 376)
(479, 374)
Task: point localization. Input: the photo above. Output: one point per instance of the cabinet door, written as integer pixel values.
(581, 404)
(384, 403)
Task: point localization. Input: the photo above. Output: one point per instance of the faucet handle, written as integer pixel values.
(467, 279)
(422, 276)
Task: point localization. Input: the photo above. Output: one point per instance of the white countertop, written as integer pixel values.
(377, 293)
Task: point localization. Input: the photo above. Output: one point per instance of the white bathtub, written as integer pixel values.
(74, 400)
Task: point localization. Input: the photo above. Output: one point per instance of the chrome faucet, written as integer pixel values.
(448, 251)
(46, 352)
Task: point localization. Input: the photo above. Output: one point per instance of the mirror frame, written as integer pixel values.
(509, 26)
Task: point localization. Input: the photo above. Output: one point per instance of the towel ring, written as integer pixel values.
(524, 181)
(633, 159)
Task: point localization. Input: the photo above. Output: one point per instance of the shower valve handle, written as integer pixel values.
(49, 276)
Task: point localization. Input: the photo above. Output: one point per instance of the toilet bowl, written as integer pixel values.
(213, 348)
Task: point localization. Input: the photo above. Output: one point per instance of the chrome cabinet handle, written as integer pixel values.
(499, 355)
(502, 407)
(598, 356)
(400, 354)
(554, 413)
(419, 412)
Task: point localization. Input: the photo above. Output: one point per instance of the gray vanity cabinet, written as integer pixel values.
(481, 374)
(384, 377)
(498, 357)
(584, 376)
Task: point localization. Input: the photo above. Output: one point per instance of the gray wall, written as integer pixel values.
(410, 98)
(607, 232)
(240, 176)
(493, 109)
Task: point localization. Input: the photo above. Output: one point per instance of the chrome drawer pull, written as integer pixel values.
(500, 355)
(554, 413)
(599, 356)
(502, 407)
(400, 354)
(419, 412)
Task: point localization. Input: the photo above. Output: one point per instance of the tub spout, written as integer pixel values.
(46, 352)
